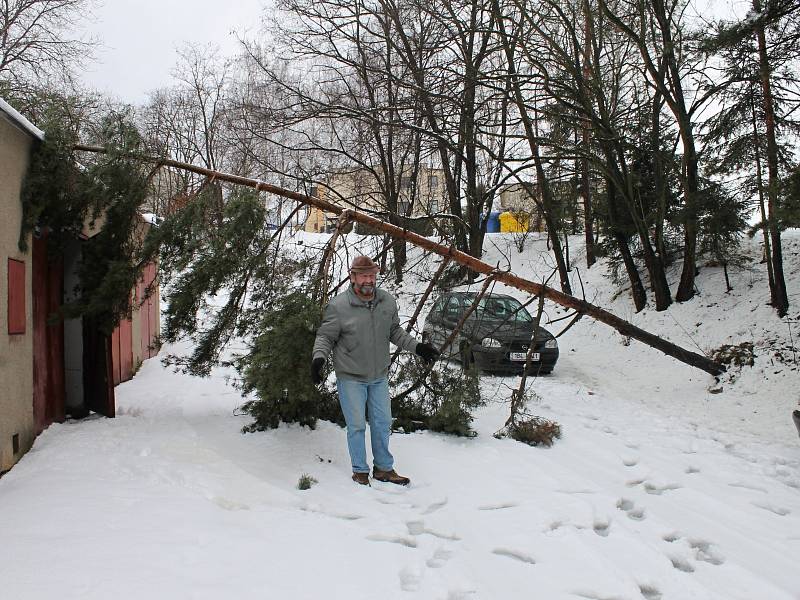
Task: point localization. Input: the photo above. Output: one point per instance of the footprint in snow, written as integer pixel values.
(439, 558)
(681, 564)
(500, 506)
(650, 592)
(657, 490)
(458, 594)
(703, 550)
(630, 461)
(334, 515)
(778, 510)
(393, 539)
(434, 507)
(593, 595)
(690, 470)
(443, 536)
(630, 509)
(747, 486)
(417, 527)
(602, 528)
(515, 554)
(410, 579)
(634, 482)
(395, 502)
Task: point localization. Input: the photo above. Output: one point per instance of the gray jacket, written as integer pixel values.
(359, 333)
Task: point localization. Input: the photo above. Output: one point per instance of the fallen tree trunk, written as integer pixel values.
(581, 306)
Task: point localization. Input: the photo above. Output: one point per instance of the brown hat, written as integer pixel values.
(363, 264)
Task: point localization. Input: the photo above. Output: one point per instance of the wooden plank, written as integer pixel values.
(125, 350)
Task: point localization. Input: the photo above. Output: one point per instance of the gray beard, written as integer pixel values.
(366, 290)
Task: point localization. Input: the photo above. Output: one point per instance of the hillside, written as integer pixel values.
(659, 489)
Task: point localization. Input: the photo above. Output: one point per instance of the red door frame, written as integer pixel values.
(47, 283)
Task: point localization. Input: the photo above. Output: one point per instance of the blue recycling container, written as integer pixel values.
(493, 224)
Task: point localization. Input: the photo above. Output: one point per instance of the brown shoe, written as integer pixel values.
(390, 477)
(361, 478)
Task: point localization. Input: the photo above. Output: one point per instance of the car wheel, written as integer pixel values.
(467, 358)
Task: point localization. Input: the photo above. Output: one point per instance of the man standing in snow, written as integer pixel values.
(357, 327)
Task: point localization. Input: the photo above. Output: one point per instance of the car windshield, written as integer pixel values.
(495, 307)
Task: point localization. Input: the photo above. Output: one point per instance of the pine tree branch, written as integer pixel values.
(478, 266)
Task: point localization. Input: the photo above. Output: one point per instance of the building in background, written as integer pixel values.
(358, 188)
(50, 368)
(518, 204)
(17, 420)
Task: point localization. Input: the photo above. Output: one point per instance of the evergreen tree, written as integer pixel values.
(759, 54)
(722, 224)
(62, 196)
(273, 367)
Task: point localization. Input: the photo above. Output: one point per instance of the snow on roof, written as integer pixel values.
(17, 119)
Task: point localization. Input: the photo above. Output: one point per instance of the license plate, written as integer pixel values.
(523, 355)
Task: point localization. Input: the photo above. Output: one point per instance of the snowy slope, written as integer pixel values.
(658, 489)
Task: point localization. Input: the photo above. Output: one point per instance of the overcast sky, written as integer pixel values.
(139, 38)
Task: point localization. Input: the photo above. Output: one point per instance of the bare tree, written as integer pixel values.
(38, 39)
(657, 28)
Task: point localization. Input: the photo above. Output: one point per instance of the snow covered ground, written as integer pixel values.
(659, 488)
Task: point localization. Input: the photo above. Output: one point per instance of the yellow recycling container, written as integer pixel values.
(511, 222)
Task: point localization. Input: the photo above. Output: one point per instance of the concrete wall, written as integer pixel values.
(16, 351)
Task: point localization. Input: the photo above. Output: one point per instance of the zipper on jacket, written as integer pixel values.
(373, 371)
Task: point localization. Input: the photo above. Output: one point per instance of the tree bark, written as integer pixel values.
(762, 207)
(780, 299)
(586, 183)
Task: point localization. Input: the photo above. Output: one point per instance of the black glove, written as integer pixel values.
(427, 352)
(316, 370)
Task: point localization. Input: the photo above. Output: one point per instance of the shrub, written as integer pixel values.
(534, 431)
(735, 355)
(305, 482)
(443, 402)
(276, 368)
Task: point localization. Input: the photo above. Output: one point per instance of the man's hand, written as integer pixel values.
(316, 370)
(427, 352)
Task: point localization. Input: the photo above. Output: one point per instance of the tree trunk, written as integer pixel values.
(586, 184)
(581, 306)
(547, 201)
(780, 299)
(762, 208)
(638, 293)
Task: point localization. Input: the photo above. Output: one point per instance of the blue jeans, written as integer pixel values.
(356, 399)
